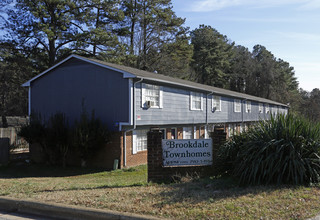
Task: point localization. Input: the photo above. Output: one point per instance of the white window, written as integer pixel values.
(139, 142)
(187, 133)
(267, 108)
(216, 103)
(237, 105)
(196, 101)
(248, 106)
(151, 96)
(260, 108)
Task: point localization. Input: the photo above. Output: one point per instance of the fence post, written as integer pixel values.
(4, 151)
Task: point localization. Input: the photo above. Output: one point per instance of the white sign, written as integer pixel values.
(187, 152)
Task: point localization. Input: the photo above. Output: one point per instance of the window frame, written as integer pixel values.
(185, 130)
(136, 135)
(267, 108)
(198, 95)
(215, 99)
(237, 102)
(144, 91)
(248, 106)
(260, 108)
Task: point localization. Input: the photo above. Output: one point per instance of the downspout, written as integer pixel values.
(134, 103)
(207, 107)
(242, 106)
(206, 127)
(134, 124)
(124, 149)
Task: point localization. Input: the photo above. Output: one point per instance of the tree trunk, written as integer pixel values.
(133, 24)
(52, 52)
(94, 51)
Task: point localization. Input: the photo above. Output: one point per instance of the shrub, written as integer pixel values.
(33, 131)
(57, 138)
(283, 150)
(52, 135)
(89, 136)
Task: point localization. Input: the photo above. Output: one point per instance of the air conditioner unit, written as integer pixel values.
(150, 104)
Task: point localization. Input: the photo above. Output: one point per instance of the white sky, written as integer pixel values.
(290, 29)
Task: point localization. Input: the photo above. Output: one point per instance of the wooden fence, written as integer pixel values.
(11, 133)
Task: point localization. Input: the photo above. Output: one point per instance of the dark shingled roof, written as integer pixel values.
(136, 73)
(184, 83)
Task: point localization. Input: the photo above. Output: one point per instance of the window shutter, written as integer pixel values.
(191, 93)
(134, 142)
(201, 101)
(143, 96)
(161, 97)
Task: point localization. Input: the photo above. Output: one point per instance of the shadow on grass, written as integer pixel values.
(32, 170)
(91, 188)
(212, 190)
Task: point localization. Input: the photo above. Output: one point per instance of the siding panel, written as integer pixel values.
(65, 88)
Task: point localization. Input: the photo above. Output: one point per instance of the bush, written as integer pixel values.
(33, 131)
(89, 136)
(283, 150)
(57, 138)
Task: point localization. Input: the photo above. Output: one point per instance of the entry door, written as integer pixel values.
(173, 133)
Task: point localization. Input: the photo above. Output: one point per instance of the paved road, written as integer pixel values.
(5, 215)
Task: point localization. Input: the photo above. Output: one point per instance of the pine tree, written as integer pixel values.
(50, 25)
(211, 57)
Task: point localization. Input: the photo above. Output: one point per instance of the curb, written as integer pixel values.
(65, 211)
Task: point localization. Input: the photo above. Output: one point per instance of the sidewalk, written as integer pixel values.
(64, 211)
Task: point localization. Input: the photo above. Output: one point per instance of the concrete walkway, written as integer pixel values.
(63, 211)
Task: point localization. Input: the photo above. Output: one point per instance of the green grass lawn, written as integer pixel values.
(128, 191)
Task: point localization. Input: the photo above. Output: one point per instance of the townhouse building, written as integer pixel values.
(132, 101)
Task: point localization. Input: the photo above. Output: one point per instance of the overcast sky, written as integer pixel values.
(290, 29)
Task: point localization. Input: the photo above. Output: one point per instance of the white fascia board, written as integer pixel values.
(125, 74)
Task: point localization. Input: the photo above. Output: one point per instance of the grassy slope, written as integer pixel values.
(128, 191)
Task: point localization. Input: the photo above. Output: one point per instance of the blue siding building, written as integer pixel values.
(132, 101)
